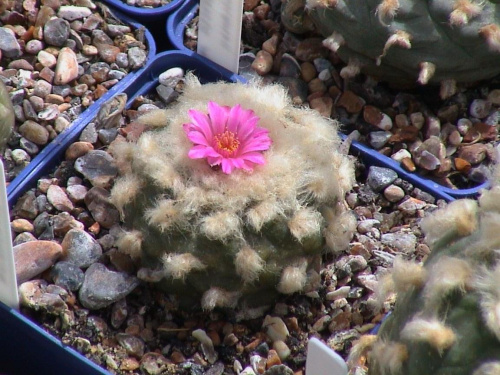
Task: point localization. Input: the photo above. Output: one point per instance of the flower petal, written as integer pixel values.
(201, 122)
(254, 157)
(218, 116)
(227, 166)
(247, 127)
(200, 152)
(233, 119)
(198, 138)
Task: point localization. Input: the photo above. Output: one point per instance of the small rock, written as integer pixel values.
(378, 139)
(78, 149)
(97, 201)
(473, 154)
(56, 32)
(34, 257)
(171, 77)
(8, 43)
(394, 193)
(98, 167)
(66, 68)
(263, 62)
(80, 248)
(34, 132)
(275, 328)
(102, 287)
(58, 198)
(404, 242)
(379, 178)
(71, 12)
(133, 345)
(67, 275)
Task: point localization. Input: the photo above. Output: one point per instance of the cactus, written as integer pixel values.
(446, 318)
(406, 41)
(7, 118)
(233, 233)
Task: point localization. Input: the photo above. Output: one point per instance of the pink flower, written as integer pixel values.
(227, 136)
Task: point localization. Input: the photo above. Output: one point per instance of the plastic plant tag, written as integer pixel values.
(219, 32)
(321, 360)
(8, 282)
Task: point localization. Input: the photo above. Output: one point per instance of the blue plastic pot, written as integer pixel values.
(176, 25)
(145, 15)
(37, 166)
(25, 347)
(177, 22)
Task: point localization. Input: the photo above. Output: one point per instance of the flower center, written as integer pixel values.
(227, 143)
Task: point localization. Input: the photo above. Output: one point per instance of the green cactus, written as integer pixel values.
(405, 41)
(7, 118)
(239, 238)
(447, 314)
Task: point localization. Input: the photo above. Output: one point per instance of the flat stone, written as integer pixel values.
(98, 167)
(34, 132)
(33, 257)
(59, 199)
(67, 275)
(404, 242)
(473, 154)
(71, 12)
(8, 43)
(102, 287)
(80, 248)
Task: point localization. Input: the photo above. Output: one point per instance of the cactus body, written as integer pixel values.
(239, 238)
(404, 41)
(7, 118)
(446, 320)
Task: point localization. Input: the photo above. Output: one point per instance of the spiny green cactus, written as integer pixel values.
(447, 314)
(406, 40)
(237, 238)
(7, 118)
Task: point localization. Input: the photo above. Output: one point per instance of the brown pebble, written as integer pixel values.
(351, 102)
(307, 71)
(408, 164)
(263, 62)
(462, 165)
(272, 359)
(129, 364)
(271, 45)
(323, 105)
(177, 357)
(34, 257)
(21, 225)
(77, 149)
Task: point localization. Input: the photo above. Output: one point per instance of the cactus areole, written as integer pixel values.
(404, 41)
(233, 196)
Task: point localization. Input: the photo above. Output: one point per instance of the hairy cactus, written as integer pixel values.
(447, 314)
(7, 118)
(405, 41)
(233, 232)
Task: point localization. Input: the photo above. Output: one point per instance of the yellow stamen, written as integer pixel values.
(227, 142)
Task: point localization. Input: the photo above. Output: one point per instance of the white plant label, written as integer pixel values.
(321, 360)
(8, 282)
(219, 32)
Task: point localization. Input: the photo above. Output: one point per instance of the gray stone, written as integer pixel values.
(102, 287)
(105, 213)
(8, 43)
(80, 248)
(56, 32)
(404, 242)
(378, 139)
(98, 167)
(379, 178)
(137, 57)
(67, 275)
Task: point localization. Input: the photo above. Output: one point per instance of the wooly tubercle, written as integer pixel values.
(227, 239)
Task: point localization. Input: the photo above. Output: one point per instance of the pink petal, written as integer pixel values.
(233, 119)
(254, 157)
(198, 138)
(214, 160)
(255, 145)
(218, 117)
(201, 122)
(227, 166)
(200, 152)
(247, 127)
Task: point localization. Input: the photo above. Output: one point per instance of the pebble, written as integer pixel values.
(102, 287)
(171, 77)
(404, 242)
(8, 43)
(66, 68)
(394, 193)
(33, 257)
(34, 132)
(207, 345)
(379, 178)
(67, 275)
(263, 62)
(133, 345)
(80, 248)
(98, 167)
(275, 328)
(59, 199)
(21, 225)
(56, 32)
